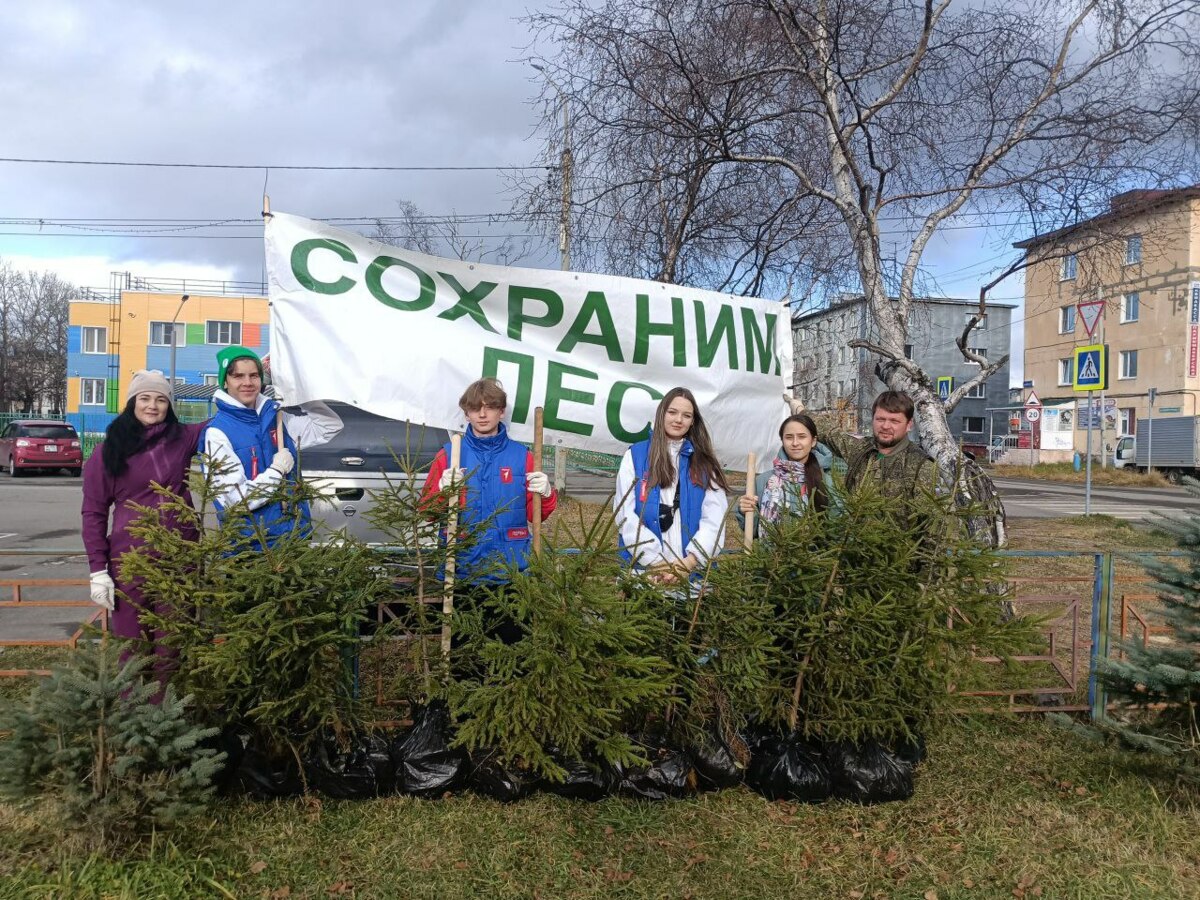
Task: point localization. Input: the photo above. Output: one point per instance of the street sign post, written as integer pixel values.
(1090, 313)
(945, 386)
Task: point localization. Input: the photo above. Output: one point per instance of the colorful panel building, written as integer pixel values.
(110, 339)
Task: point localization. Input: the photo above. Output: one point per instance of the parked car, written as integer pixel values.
(361, 459)
(44, 444)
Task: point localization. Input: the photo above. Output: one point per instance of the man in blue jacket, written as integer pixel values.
(242, 443)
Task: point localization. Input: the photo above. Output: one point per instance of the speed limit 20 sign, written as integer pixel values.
(1033, 413)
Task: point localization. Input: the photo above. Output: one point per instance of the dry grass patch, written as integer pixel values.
(1066, 472)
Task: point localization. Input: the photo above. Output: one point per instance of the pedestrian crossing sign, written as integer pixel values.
(1091, 368)
(945, 386)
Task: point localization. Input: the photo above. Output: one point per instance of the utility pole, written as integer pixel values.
(564, 236)
(174, 342)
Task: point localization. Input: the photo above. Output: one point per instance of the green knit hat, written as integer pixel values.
(226, 358)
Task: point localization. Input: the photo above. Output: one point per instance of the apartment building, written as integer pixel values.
(1141, 258)
(833, 378)
(109, 337)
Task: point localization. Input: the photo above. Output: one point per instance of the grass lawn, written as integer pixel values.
(1003, 808)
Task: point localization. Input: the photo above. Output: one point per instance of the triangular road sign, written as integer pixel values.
(1090, 313)
(1088, 372)
(1033, 399)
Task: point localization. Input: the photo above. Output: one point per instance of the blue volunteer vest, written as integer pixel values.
(496, 468)
(646, 499)
(252, 435)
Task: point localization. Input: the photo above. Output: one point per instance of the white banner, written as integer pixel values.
(401, 334)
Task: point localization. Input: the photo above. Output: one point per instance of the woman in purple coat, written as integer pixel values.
(146, 444)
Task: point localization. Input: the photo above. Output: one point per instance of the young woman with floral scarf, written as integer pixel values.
(796, 481)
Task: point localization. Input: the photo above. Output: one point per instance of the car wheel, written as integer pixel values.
(13, 471)
(75, 473)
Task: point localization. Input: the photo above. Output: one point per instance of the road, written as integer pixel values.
(42, 513)
(1028, 499)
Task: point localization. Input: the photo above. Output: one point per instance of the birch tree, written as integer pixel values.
(904, 117)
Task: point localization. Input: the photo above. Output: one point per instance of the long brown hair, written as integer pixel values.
(814, 476)
(705, 470)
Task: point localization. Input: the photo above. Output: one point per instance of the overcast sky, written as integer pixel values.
(271, 83)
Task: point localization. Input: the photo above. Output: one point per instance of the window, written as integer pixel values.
(1066, 319)
(967, 317)
(1128, 420)
(212, 379)
(179, 380)
(223, 333)
(908, 351)
(1129, 364)
(972, 425)
(978, 392)
(842, 354)
(1133, 249)
(1129, 307)
(160, 334)
(1069, 268)
(91, 391)
(982, 351)
(1066, 371)
(94, 340)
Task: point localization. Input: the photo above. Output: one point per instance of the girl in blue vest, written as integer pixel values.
(501, 479)
(242, 437)
(671, 498)
(798, 479)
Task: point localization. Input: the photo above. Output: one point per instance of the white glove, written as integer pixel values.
(283, 462)
(538, 482)
(103, 590)
(452, 477)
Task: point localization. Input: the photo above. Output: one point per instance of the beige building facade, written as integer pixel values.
(1139, 264)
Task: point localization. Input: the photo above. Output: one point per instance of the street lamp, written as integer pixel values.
(174, 320)
(564, 234)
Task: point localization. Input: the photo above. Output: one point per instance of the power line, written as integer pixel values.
(172, 165)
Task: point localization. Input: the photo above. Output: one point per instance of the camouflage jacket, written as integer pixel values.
(897, 474)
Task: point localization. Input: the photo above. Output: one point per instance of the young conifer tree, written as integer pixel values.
(266, 639)
(96, 752)
(876, 608)
(585, 672)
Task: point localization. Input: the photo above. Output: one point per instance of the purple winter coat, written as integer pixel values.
(166, 462)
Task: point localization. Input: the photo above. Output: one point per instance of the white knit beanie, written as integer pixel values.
(149, 380)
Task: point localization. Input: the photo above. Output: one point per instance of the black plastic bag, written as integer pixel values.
(670, 774)
(232, 743)
(911, 750)
(716, 763)
(426, 764)
(492, 779)
(266, 777)
(585, 781)
(789, 768)
(869, 773)
(358, 772)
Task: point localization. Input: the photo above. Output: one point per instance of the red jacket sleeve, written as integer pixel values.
(429, 493)
(548, 503)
